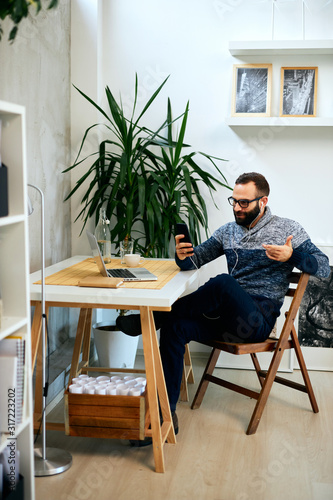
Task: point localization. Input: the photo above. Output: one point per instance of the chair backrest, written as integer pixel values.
(301, 281)
(295, 279)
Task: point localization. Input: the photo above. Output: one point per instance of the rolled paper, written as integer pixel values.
(89, 389)
(111, 384)
(100, 390)
(137, 390)
(82, 381)
(141, 380)
(112, 391)
(122, 390)
(119, 381)
(130, 383)
(76, 389)
(91, 384)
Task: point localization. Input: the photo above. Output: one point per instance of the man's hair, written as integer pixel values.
(259, 181)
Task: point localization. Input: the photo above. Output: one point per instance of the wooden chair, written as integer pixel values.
(287, 340)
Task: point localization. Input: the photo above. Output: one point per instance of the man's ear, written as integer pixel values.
(263, 204)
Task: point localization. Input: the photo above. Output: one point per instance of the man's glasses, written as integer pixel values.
(242, 203)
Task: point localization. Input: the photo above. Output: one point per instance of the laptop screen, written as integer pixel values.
(97, 254)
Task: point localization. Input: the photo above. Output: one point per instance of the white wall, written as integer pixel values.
(188, 40)
(35, 73)
(84, 75)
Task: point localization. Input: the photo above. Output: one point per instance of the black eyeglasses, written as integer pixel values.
(242, 203)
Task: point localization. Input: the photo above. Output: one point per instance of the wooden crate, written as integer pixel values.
(103, 416)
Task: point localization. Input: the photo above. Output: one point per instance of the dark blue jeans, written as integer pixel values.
(218, 310)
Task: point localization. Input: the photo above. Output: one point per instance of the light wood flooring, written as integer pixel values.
(289, 458)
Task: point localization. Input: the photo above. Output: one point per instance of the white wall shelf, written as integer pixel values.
(14, 273)
(276, 121)
(276, 47)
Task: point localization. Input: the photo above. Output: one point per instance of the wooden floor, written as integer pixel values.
(290, 457)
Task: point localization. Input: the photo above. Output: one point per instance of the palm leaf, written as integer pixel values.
(151, 100)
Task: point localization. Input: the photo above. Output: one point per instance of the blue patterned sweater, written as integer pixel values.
(247, 260)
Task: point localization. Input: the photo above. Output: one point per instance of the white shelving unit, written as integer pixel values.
(14, 272)
(276, 48)
(277, 121)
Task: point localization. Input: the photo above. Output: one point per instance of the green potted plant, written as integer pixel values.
(144, 180)
(146, 183)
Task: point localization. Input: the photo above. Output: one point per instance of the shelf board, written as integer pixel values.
(277, 121)
(11, 219)
(8, 108)
(5, 437)
(10, 324)
(275, 47)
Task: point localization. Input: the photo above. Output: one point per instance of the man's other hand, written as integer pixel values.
(281, 253)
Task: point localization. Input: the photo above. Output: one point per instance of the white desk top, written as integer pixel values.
(165, 297)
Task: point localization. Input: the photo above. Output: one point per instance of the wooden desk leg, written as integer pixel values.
(80, 334)
(86, 338)
(36, 329)
(156, 389)
(168, 432)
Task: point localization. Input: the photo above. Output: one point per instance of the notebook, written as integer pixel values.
(132, 274)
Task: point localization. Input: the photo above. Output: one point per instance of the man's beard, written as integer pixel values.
(246, 218)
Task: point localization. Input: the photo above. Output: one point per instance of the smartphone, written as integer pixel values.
(181, 228)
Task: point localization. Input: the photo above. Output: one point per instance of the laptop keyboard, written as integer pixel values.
(120, 273)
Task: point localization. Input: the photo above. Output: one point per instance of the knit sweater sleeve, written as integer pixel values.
(309, 259)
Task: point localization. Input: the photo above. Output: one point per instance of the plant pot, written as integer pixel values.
(114, 348)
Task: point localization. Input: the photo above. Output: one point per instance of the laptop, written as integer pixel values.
(132, 274)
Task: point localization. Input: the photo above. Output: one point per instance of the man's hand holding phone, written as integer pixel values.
(183, 250)
(184, 247)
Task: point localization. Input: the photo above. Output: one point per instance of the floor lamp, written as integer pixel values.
(48, 461)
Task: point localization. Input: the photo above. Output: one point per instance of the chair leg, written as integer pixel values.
(188, 363)
(304, 371)
(266, 388)
(257, 368)
(204, 382)
(187, 377)
(183, 387)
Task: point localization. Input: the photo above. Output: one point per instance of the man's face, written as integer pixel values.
(244, 216)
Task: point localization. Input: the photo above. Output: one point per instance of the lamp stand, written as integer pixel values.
(48, 461)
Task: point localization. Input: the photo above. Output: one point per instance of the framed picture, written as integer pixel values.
(298, 91)
(251, 92)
